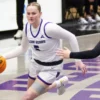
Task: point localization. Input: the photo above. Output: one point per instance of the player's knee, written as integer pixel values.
(29, 96)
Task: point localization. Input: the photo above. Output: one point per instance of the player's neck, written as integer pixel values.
(36, 24)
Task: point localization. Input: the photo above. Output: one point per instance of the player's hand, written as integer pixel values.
(63, 53)
(79, 64)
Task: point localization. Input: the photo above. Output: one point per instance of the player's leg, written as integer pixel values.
(30, 81)
(50, 77)
(41, 85)
(32, 73)
(59, 84)
(36, 89)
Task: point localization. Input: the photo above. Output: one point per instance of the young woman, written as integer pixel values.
(43, 37)
(80, 55)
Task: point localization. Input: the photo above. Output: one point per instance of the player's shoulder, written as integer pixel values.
(49, 24)
(45, 21)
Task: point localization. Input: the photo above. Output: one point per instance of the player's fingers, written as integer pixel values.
(59, 53)
(84, 70)
(77, 67)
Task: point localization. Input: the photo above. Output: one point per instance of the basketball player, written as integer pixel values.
(44, 38)
(66, 53)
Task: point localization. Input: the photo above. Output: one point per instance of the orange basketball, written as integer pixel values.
(2, 64)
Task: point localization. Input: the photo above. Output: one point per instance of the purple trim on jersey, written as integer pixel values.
(43, 81)
(26, 28)
(38, 30)
(45, 31)
(31, 77)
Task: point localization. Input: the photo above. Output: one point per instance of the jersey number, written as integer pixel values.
(36, 47)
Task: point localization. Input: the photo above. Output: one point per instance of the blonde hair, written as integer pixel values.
(35, 4)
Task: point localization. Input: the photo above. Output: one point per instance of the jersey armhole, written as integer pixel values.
(26, 28)
(45, 30)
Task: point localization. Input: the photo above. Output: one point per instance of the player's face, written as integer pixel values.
(33, 14)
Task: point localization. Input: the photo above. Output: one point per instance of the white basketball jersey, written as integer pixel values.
(43, 47)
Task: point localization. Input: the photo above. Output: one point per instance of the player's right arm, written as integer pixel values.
(19, 49)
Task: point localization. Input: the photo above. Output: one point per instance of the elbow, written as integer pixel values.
(24, 50)
(73, 37)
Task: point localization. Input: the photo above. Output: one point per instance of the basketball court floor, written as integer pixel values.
(80, 87)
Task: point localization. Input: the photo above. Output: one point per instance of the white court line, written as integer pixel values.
(95, 96)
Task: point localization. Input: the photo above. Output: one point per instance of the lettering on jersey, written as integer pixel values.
(31, 41)
(38, 42)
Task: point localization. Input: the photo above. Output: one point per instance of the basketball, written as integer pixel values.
(2, 64)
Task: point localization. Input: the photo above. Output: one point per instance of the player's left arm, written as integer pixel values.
(58, 32)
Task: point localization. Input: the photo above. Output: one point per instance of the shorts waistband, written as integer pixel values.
(49, 63)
